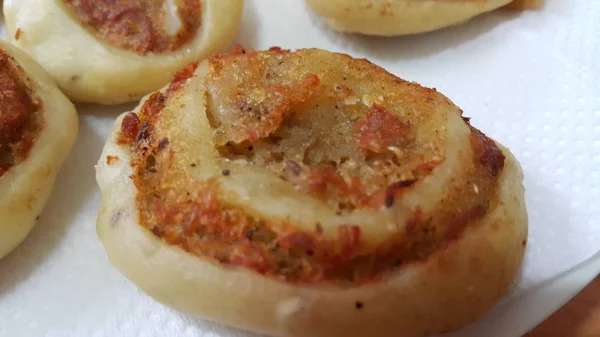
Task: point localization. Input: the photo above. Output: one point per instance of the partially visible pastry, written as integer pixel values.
(403, 17)
(310, 194)
(38, 126)
(525, 4)
(111, 52)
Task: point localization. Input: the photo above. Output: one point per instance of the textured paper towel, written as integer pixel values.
(530, 80)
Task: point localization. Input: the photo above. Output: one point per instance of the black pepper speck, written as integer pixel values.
(389, 201)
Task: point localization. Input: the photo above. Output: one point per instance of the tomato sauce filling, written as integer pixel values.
(20, 119)
(379, 130)
(141, 26)
(249, 121)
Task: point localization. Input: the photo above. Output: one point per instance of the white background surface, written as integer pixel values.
(530, 80)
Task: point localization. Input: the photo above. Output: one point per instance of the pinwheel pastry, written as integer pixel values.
(38, 126)
(402, 17)
(116, 51)
(310, 194)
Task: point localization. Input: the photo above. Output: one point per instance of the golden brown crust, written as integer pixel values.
(274, 110)
(20, 114)
(138, 25)
(278, 86)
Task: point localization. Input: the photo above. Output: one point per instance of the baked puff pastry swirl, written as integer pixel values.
(308, 193)
(38, 126)
(403, 17)
(117, 51)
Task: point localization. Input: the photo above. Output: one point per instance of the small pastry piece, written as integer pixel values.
(310, 194)
(403, 17)
(111, 52)
(38, 126)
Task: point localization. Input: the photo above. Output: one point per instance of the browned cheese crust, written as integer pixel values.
(138, 25)
(20, 117)
(297, 119)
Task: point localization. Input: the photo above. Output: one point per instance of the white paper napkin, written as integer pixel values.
(530, 80)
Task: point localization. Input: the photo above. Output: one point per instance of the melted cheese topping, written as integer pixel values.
(141, 26)
(20, 121)
(307, 166)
